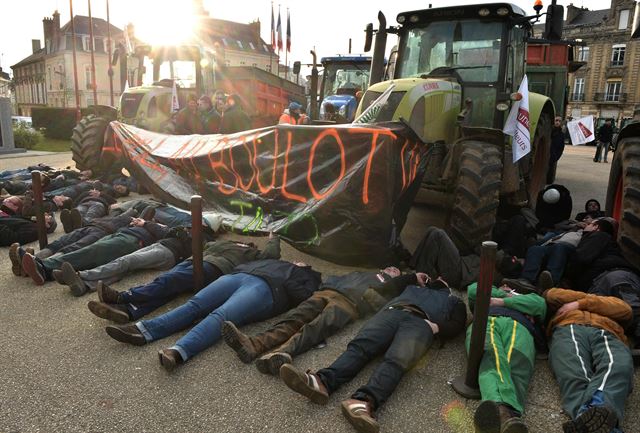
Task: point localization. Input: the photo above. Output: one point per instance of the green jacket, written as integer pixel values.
(227, 254)
(532, 304)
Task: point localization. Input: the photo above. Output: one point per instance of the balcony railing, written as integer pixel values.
(610, 97)
(577, 97)
(617, 63)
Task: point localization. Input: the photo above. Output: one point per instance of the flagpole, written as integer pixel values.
(110, 72)
(93, 60)
(286, 51)
(75, 64)
(273, 40)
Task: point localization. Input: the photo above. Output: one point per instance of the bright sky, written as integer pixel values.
(326, 25)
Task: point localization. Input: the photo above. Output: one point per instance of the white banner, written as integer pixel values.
(370, 114)
(517, 125)
(581, 131)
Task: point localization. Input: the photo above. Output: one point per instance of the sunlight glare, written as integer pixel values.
(167, 23)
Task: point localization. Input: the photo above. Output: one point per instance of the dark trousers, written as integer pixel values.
(91, 210)
(77, 239)
(311, 322)
(142, 300)
(403, 337)
(556, 256)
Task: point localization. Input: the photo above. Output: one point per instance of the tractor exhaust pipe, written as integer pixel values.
(313, 89)
(377, 63)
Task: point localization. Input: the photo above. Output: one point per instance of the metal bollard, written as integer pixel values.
(196, 241)
(467, 385)
(36, 187)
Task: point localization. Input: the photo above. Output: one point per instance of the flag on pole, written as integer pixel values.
(517, 125)
(273, 29)
(581, 130)
(279, 30)
(175, 104)
(288, 32)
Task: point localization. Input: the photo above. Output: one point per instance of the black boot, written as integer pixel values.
(126, 334)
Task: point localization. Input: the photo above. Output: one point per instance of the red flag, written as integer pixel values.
(279, 30)
(273, 29)
(288, 32)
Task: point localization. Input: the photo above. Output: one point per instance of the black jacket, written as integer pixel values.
(605, 133)
(354, 284)
(148, 234)
(290, 284)
(439, 305)
(86, 197)
(557, 144)
(17, 229)
(596, 253)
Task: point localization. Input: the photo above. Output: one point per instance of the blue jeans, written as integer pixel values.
(239, 298)
(172, 217)
(142, 300)
(556, 256)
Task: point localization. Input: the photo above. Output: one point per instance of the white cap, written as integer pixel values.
(551, 196)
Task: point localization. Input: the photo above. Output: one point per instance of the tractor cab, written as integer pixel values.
(343, 77)
(148, 104)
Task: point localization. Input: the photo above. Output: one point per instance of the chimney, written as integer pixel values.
(56, 22)
(573, 12)
(35, 45)
(255, 27)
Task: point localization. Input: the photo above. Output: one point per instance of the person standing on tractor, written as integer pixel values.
(293, 116)
(234, 119)
(605, 135)
(557, 147)
(188, 120)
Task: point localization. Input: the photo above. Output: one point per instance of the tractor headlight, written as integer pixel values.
(503, 11)
(483, 12)
(401, 19)
(414, 18)
(343, 110)
(502, 106)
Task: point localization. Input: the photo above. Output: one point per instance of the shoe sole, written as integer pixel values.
(31, 269)
(166, 362)
(16, 262)
(121, 336)
(76, 219)
(487, 418)
(360, 423)
(515, 427)
(230, 336)
(57, 276)
(103, 311)
(293, 380)
(545, 281)
(272, 363)
(72, 280)
(597, 419)
(67, 222)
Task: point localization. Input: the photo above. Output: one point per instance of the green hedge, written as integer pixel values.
(25, 137)
(57, 122)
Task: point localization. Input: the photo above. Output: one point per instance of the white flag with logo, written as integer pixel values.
(581, 131)
(370, 114)
(175, 104)
(517, 125)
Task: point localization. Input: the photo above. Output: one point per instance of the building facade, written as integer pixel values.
(5, 84)
(607, 86)
(45, 78)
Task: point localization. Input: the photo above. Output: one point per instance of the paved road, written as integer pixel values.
(62, 373)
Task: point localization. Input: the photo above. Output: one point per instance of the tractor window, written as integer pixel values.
(469, 47)
(345, 78)
(152, 110)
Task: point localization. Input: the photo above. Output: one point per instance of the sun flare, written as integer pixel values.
(166, 24)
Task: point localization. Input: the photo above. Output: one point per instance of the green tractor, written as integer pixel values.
(147, 104)
(456, 74)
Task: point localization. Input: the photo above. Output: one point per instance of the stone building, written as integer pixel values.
(45, 78)
(607, 86)
(5, 84)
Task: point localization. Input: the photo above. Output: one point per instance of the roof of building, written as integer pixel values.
(235, 36)
(4, 75)
(587, 17)
(81, 24)
(38, 55)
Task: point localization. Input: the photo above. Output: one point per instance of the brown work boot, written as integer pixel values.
(272, 362)
(73, 280)
(65, 219)
(114, 312)
(360, 415)
(239, 342)
(76, 218)
(487, 417)
(126, 334)
(57, 276)
(106, 294)
(510, 420)
(545, 281)
(16, 260)
(169, 359)
(307, 384)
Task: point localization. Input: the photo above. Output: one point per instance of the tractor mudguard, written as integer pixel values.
(105, 111)
(538, 103)
(630, 130)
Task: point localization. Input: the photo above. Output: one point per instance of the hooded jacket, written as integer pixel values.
(226, 254)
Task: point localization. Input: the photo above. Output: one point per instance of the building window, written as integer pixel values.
(87, 77)
(224, 41)
(578, 90)
(253, 47)
(50, 78)
(240, 45)
(99, 45)
(613, 91)
(583, 54)
(617, 55)
(623, 20)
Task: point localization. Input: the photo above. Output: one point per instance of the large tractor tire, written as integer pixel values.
(87, 141)
(623, 196)
(536, 166)
(477, 196)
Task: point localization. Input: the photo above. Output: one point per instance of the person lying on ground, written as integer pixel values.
(162, 255)
(402, 331)
(339, 301)
(591, 210)
(16, 229)
(138, 234)
(513, 336)
(220, 257)
(253, 292)
(590, 358)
